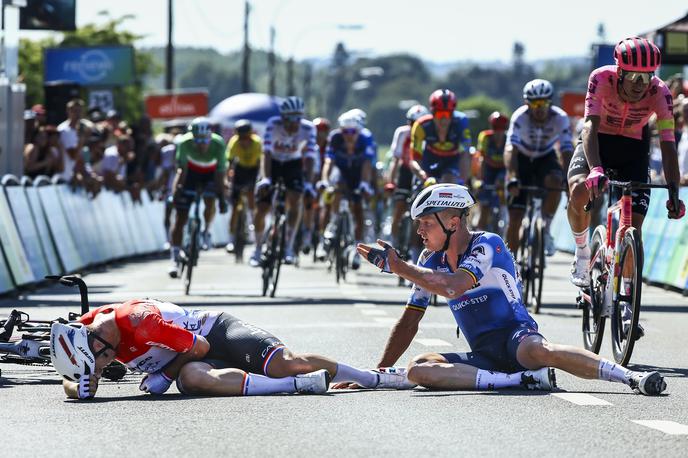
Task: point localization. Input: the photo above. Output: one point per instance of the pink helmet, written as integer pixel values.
(635, 54)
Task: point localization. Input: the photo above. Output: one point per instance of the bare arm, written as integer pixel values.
(670, 162)
(446, 284)
(400, 338)
(591, 146)
(511, 161)
(197, 352)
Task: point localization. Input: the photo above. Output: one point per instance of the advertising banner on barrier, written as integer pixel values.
(91, 66)
(5, 280)
(12, 246)
(177, 105)
(57, 222)
(677, 272)
(44, 237)
(26, 228)
(653, 228)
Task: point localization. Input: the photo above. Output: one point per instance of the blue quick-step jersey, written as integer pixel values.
(495, 300)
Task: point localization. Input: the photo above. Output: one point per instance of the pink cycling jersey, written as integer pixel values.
(628, 119)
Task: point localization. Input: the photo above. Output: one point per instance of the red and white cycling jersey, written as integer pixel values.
(283, 146)
(401, 145)
(153, 332)
(628, 119)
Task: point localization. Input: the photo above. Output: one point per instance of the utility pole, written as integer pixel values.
(291, 90)
(169, 52)
(271, 62)
(245, 85)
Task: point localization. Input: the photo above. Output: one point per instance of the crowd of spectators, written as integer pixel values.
(94, 150)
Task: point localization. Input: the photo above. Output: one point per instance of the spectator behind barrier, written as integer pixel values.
(118, 161)
(74, 132)
(42, 157)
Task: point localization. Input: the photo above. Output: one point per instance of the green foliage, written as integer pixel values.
(31, 68)
(479, 108)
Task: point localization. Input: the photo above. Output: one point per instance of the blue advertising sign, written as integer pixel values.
(94, 66)
(603, 55)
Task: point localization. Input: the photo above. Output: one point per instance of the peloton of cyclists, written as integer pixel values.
(490, 147)
(530, 157)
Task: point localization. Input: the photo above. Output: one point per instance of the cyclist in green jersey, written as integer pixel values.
(201, 165)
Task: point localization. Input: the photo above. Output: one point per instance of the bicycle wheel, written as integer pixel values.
(191, 256)
(338, 246)
(593, 316)
(279, 255)
(536, 263)
(268, 258)
(522, 261)
(630, 261)
(345, 243)
(240, 235)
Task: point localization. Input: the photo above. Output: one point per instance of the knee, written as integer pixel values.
(421, 374)
(423, 358)
(193, 378)
(541, 352)
(284, 364)
(579, 195)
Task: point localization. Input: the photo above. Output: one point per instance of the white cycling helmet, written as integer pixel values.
(538, 89)
(360, 114)
(69, 351)
(415, 112)
(292, 105)
(439, 197)
(349, 120)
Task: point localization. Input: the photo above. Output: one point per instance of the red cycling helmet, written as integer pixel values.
(322, 124)
(635, 54)
(442, 100)
(498, 121)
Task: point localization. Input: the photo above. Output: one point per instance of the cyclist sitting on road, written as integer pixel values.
(406, 164)
(353, 155)
(530, 157)
(244, 152)
(204, 352)
(476, 273)
(620, 100)
(201, 164)
(290, 153)
(442, 139)
(490, 146)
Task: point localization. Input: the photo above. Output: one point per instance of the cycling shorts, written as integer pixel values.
(291, 172)
(195, 180)
(495, 350)
(240, 345)
(244, 178)
(436, 166)
(491, 177)
(404, 183)
(532, 172)
(628, 157)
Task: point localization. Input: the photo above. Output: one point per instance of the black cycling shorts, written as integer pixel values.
(628, 158)
(194, 180)
(404, 183)
(244, 178)
(532, 172)
(237, 344)
(495, 350)
(291, 173)
(436, 166)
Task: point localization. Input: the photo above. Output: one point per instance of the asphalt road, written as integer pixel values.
(349, 322)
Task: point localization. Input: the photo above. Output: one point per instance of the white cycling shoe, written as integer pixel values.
(541, 379)
(254, 261)
(313, 382)
(394, 378)
(648, 383)
(580, 276)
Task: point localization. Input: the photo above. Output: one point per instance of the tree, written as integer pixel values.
(31, 67)
(339, 80)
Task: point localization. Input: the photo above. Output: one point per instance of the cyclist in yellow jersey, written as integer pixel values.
(492, 171)
(244, 152)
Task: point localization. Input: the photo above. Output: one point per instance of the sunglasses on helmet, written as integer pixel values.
(539, 103)
(442, 114)
(633, 77)
(292, 117)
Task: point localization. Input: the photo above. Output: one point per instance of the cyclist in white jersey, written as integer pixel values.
(289, 153)
(205, 352)
(530, 157)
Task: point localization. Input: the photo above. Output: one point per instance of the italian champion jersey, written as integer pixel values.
(189, 156)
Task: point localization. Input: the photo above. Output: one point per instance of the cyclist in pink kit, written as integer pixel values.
(620, 100)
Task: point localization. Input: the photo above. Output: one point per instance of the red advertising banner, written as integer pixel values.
(181, 105)
(573, 103)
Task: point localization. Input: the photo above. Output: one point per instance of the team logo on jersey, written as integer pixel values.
(478, 250)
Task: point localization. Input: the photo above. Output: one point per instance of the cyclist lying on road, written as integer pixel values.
(206, 353)
(476, 273)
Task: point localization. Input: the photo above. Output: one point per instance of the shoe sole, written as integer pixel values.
(656, 384)
(552, 378)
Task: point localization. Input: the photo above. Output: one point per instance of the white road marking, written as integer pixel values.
(385, 320)
(433, 342)
(364, 305)
(582, 399)
(371, 312)
(665, 426)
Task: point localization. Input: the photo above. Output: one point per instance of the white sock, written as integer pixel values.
(490, 380)
(346, 373)
(612, 372)
(257, 385)
(581, 239)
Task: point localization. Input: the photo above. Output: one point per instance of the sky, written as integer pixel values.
(434, 30)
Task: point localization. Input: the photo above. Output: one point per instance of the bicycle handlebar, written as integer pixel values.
(631, 185)
(71, 280)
